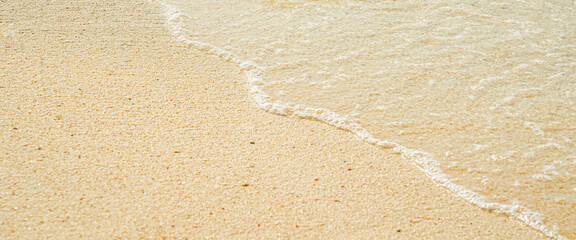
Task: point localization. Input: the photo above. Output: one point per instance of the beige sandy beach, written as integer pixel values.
(112, 128)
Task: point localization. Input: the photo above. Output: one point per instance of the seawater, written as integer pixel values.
(480, 94)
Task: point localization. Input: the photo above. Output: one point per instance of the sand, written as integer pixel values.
(112, 128)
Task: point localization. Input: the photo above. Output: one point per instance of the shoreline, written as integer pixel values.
(114, 128)
(254, 75)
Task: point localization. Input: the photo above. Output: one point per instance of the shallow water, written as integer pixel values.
(487, 89)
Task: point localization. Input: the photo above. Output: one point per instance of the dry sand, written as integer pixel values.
(112, 128)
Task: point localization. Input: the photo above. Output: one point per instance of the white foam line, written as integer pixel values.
(422, 159)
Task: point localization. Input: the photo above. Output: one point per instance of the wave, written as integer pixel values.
(423, 160)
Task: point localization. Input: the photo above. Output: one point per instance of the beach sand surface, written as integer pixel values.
(112, 128)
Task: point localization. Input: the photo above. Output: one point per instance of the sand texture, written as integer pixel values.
(112, 128)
